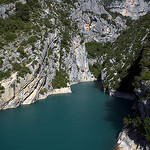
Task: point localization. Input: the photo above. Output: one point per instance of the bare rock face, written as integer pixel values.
(77, 62)
(131, 8)
(27, 91)
(128, 140)
(125, 143)
(93, 26)
(6, 10)
(23, 91)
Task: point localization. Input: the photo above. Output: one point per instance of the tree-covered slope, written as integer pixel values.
(124, 65)
(123, 60)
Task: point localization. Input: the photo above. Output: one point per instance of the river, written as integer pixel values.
(87, 119)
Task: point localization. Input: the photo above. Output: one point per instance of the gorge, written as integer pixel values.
(86, 119)
(48, 45)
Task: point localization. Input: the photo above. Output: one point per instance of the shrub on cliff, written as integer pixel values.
(1, 44)
(23, 71)
(16, 66)
(10, 37)
(7, 1)
(147, 128)
(22, 53)
(60, 80)
(42, 91)
(1, 62)
(5, 74)
(1, 88)
(22, 11)
(137, 124)
(33, 4)
(95, 69)
(32, 39)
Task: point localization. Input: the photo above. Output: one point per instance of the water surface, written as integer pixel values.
(87, 119)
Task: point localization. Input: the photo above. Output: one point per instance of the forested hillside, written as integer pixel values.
(126, 59)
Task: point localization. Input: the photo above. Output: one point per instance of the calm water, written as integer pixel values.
(87, 119)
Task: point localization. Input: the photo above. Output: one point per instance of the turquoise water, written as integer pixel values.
(87, 119)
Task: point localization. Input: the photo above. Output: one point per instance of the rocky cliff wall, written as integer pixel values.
(131, 8)
(128, 140)
(49, 54)
(28, 90)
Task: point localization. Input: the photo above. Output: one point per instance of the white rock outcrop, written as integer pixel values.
(131, 8)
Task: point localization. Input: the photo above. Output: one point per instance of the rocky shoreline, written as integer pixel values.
(123, 95)
(130, 140)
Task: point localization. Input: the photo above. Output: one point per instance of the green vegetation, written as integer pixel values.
(10, 37)
(61, 79)
(104, 16)
(95, 49)
(33, 4)
(95, 69)
(1, 44)
(22, 53)
(23, 71)
(11, 24)
(22, 11)
(1, 88)
(147, 128)
(133, 122)
(4, 75)
(126, 58)
(43, 91)
(137, 124)
(34, 62)
(50, 52)
(7, 1)
(32, 39)
(16, 66)
(1, 62)
(18, 22)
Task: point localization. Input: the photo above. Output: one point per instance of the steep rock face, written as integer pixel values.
(27, 91)
(128, 140)
(95, 23)
(47, 55)
(77, 62)
(131, 8)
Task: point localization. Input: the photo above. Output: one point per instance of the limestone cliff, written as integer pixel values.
(48, 45)
(51, 47)
(27, 91)
(131, 8)
(128, 140)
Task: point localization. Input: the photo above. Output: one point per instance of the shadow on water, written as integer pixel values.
(98, 85)
(116, 109)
